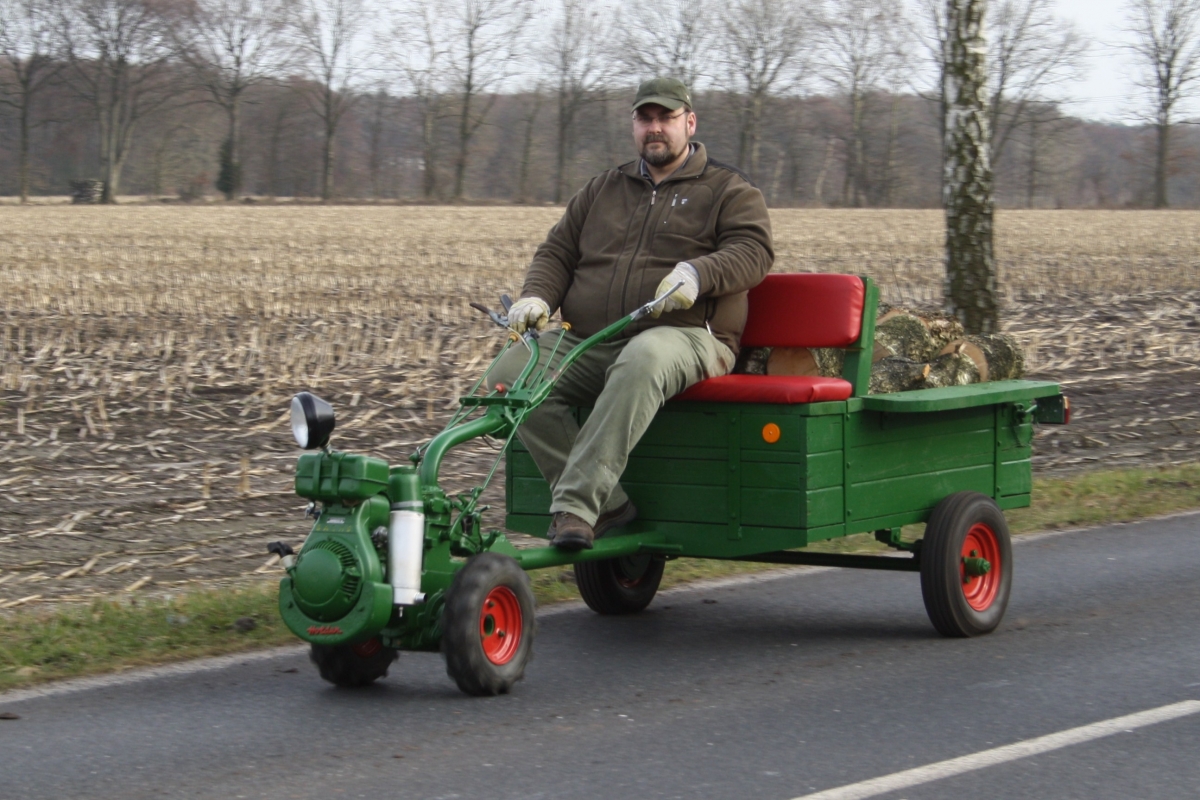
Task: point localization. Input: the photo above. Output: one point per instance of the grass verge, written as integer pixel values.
(108, 636)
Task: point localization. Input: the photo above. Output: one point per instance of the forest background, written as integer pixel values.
(825, 103)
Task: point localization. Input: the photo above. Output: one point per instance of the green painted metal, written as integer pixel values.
(891, 563)
(953, 397)
(333, 476)
(431, 461)
(857, 366)
(975, 566)
(607, 547)
(342, 597)
(893, 537)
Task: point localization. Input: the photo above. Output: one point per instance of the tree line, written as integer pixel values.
(822, 102)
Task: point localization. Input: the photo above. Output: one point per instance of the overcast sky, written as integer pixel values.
(1107, 91)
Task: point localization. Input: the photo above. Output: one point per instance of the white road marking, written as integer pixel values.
(1009, 752)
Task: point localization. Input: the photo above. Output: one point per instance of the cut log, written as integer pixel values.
(1004, 356)
(752, 361)
(906, 336)
(897, 374)
(997, 356)
(792, 361)
(913, 350)
(955, 368)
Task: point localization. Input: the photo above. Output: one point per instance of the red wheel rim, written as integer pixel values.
(980, 590)
(366, 649)
(500, 625)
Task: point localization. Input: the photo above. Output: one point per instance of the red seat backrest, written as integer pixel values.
(805, 310)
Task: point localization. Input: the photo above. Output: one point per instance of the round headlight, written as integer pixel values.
(312, 421)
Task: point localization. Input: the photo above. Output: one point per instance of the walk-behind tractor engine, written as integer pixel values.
(395, 563)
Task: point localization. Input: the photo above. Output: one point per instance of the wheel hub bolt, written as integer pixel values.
(975, 566)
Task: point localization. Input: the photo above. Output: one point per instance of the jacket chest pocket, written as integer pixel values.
(687, 210)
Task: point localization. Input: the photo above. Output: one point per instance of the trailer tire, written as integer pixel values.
(351, 666)
(965, 525)
(623, 585)
(488, 625)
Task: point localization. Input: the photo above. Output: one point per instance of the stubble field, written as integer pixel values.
(147, 355)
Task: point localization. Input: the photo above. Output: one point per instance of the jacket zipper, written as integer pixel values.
(636, 250)
(641, 236)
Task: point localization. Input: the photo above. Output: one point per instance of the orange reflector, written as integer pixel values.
(771, 433)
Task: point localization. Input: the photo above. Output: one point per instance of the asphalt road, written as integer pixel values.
(763, 690)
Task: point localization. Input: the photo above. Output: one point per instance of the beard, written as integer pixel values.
(659, 157)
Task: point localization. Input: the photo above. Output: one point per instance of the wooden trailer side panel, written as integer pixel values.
(725, 480)
(708, 476)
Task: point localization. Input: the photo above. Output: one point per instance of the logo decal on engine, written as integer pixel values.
(323, 630)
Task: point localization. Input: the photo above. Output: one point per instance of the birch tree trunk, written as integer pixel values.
(970, 286)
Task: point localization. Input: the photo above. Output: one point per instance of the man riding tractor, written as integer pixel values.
(673, 217)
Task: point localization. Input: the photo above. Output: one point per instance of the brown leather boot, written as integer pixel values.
(617, 518)
(569, 532)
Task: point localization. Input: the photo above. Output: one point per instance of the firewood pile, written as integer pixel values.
(913, 350)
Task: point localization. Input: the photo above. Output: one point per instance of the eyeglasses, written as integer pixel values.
(661, 119)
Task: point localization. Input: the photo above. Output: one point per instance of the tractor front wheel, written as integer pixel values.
(966, 565)
(353, 665)
(488, 625)
(622, 585)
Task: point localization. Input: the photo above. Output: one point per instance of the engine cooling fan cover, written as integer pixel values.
(327, 580)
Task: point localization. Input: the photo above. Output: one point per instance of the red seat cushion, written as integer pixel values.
(805, 310)
(780, 389)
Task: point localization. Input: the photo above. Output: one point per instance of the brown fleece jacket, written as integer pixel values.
(621, 235)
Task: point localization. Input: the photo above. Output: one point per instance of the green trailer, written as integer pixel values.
(742, 467)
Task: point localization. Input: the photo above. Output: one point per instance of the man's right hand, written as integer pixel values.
(529, 312)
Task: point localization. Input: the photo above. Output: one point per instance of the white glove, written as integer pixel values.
(529, 312)
(685, 296)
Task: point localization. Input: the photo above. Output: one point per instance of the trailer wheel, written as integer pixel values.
(966, 565)
(488, 625)
(623, 585)
(353, 665)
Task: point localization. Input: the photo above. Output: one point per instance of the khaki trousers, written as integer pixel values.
(626, 382)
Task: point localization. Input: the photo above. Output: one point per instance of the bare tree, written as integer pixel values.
(118, 54)
(529, 121)
(416, 45)
(1167, 45)
(382, 108)
(1030, 52)
(231, 46)
(763, 48)
(670, 38)
(483, 40)
(574, 56)
(864, 49)
(1045, 127)
(328, 35)
(27, 44)
(970, 287)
